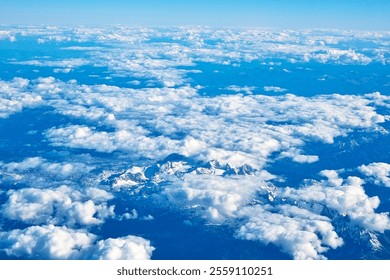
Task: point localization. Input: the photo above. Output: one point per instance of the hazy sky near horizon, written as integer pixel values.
(341, 14)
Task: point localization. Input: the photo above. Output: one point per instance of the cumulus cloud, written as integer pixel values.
(63, 169)
(45, 242)
(62, 205)
(378, 171)
(219, 197)
(297, 231)
(339, 56)
(102, 141)
(38, 172)
(125, 248)
(346, 196)
(13, 98)
(52, 242)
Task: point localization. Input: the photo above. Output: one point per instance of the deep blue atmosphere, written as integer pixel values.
(194, 143)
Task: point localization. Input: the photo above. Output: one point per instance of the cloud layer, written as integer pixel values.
(135, 125)
(155, 122)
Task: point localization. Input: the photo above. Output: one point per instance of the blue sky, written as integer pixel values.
(343, 14)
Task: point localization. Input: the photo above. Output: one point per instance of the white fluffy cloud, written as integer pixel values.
(346, 196)
(218, 197)
(13, 98)
(45, 242)
(378, 171)
(39, 164)
(38, 172)
(125, 140)
(62, 205)
(297, 156)
(297, 231)
(125, 248)
(51, 242)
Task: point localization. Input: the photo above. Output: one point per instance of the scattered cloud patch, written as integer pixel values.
(7, 35)
(378, 171)
(347, 196)
(13, 98)
(52, 242)
(339, 56)
(297, 156)
(274, 89)
(218, 197)
(38, 172)
(40, 164)
(125, 248)
(45, 242)
(62, 64)
(245, 89)
(60, 206)
(299, 232)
